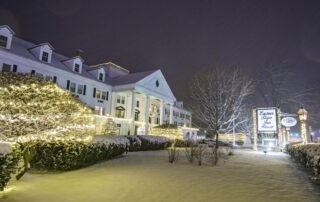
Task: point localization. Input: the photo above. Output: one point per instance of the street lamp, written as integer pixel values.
(302, 113)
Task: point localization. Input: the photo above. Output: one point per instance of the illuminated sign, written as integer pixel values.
(288, 121)
(267, 120)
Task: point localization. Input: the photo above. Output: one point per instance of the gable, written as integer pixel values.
(156, 85)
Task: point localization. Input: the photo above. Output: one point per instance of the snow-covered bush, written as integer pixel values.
(149, 142)
(308, 155)
(135, 143)
(10, 156)
(69, 155)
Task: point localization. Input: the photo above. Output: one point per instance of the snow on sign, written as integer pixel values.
(288, 121)
(267, 120)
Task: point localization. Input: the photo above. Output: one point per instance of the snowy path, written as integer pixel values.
(147, 176)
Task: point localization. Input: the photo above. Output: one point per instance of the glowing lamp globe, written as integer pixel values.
(302, 113)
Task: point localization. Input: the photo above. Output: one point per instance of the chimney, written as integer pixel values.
(80, 53)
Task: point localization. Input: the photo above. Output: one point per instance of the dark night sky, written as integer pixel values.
(177, 36)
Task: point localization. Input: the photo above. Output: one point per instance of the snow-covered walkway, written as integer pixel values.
(147, 177)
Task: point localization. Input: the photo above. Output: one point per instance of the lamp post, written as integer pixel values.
(302, 113)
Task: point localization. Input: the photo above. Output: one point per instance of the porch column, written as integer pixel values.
(147, 115)
(171, 113)
(161, 112)
(113, 104)
(133, 111)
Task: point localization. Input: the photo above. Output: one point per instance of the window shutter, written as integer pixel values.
(15, 67)
(84, 89)
(54, 79)
(94, 92)
(68, 84)
(107, 95)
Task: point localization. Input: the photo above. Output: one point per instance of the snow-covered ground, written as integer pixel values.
(147, 176)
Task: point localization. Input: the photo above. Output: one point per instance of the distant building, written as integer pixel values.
(135, 101)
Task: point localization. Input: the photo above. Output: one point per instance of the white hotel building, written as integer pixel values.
(135, 101)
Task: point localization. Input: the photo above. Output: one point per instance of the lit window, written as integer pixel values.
(100, 76)
(3, 41)
(76, 67)
(45, 56)
(80, 89)
(6, 67)
(73, 87)
(120, 112)
(104, 95)
(98, 93)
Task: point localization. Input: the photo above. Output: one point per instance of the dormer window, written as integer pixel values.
(6, 35)
(45, 56)
(76, 67)
(3, 41)
(100, 76)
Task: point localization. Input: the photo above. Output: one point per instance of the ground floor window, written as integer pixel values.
(120, 112)
(98, 110)
(6, 67)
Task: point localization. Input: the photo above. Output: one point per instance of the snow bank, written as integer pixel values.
(111, 139)
(5, 148)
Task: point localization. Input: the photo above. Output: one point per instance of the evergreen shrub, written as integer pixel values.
(10, 156)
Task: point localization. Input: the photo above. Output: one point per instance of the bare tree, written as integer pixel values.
(278, 87)
(218, 95)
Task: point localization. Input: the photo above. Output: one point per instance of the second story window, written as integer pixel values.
(98, 94)
(76, 67)
(80, 89)
(73, 87)
(121, 99)
(137, 104)
(3, 41)
(45, 56)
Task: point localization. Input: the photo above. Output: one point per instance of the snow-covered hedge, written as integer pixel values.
(69, 155)
(135, 143)
(308, 155)
(149, 142)
(10, 156)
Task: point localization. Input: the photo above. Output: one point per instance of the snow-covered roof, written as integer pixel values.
(22, 48)
(131, 78)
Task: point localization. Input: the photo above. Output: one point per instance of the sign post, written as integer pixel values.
(254, 112)
(266, 121)
(288, 122)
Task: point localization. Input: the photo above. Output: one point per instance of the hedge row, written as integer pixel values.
(147, 142)
(69, 155)
(10, 156)
(307, 155)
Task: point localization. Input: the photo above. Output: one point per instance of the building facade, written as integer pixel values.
(135, 101)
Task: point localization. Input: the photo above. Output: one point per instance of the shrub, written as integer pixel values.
(307, 155)
(69, 155)
(135, 143)
(10, 156)
(149, 142)
(30, 106)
